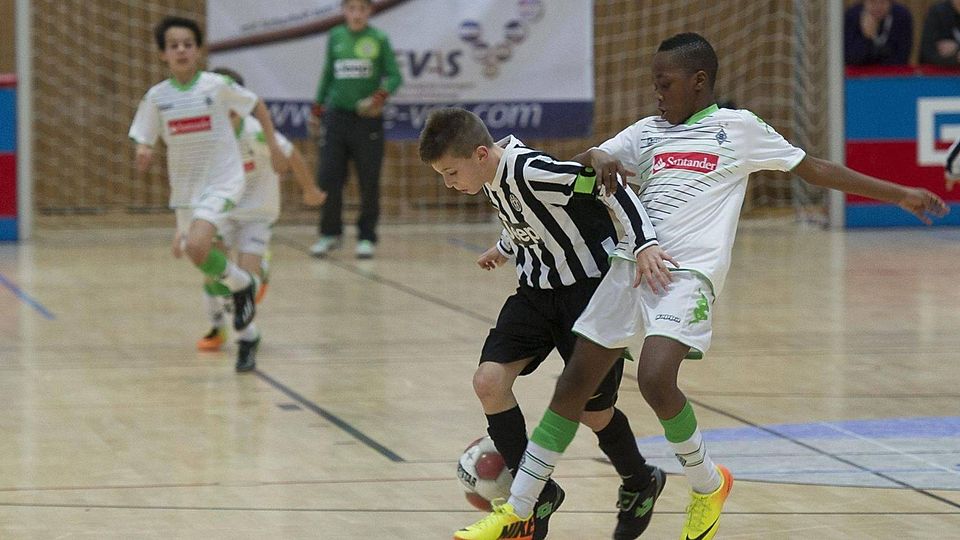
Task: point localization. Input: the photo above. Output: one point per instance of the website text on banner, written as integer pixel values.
(900, 123)
(524, 66)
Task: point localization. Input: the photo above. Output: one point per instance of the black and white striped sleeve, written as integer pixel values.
(505, 245)
(953, 161)
(550, 180)
(637, 227)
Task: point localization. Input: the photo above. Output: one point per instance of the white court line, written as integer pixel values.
(887, 447)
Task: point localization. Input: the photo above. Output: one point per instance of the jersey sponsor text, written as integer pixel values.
(194, 124)
(700, 162)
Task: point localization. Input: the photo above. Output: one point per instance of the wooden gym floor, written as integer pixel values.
(831, 391)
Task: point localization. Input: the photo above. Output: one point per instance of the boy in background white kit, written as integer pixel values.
(190, 112)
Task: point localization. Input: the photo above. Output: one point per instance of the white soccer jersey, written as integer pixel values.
(556, 235)
(193, 120)
(261, 197)
(693, 178)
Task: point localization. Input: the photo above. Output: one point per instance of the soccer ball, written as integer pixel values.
(483, 474)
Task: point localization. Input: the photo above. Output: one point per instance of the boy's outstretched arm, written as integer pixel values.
(312, 195)
(917, 201)
(277, 159)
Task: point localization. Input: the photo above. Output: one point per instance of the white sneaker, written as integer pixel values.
(365, 249)
(324, 245)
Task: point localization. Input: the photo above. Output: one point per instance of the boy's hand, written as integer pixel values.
(610, 172)
(652, 269)
(491, 259)
(177, 247)
(144, 156)
(314, 196)
(921, 202)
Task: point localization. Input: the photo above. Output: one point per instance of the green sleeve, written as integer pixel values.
(326, 76)
(391, 71)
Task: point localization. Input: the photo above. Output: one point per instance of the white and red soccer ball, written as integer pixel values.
(483, 473)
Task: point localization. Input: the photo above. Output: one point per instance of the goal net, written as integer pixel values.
(93, 61)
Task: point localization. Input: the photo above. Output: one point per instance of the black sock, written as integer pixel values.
(619, 444)
(509, 433)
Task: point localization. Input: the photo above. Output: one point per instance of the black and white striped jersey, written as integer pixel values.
(557, 235)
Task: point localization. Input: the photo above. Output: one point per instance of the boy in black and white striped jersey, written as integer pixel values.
(559, 230)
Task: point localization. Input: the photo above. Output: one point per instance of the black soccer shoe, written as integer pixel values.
(244, 306)
(247, 355)
(636, 507)
(550, 499)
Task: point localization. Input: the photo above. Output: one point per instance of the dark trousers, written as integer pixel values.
(350, 137)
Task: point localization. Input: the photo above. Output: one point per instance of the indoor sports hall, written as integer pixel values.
(831, 390)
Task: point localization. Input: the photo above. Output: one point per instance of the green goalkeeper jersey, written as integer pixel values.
(357, 64)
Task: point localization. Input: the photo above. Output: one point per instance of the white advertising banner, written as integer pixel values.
(524, 66)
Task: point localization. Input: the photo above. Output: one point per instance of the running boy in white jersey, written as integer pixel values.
(248, 229)
(190, 112)
(693, 161)
(559, 231)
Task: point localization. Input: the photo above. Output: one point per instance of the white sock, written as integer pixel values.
(215, 308)
(535, 469)
(250, 333)
(235, 278)
(697, 465)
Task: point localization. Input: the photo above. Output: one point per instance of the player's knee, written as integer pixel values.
(597, 420)
(197, 251)
(656, 385)
(490, 381)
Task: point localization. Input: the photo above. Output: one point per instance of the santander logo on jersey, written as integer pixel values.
(189, 125)
(700, 162)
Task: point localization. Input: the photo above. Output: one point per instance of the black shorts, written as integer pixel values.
(533, 322)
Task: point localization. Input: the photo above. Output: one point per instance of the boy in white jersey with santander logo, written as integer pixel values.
(190, 112)
(249, 226)
(692, 162)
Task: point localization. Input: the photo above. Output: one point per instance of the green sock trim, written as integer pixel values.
(215, 288)
(215, 264)
(554, 432)
(681, 427)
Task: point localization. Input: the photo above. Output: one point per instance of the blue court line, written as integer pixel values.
(26, 298)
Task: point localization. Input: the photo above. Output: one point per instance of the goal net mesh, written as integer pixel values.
(94, 59)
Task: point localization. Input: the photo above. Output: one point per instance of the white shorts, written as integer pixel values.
(247, 236)
(210, 207)
(618, 311)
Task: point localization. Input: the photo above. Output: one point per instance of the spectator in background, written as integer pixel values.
(359, 74)
(877, 32)
(940, 42)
